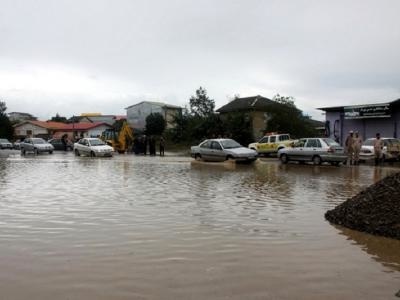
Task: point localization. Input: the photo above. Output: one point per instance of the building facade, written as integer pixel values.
(49, 129)
(367, 119)
(255, 107)
(136, 114)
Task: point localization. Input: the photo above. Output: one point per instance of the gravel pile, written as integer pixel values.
(375, 210)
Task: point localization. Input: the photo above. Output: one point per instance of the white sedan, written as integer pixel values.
(92, 147)
(221, 150)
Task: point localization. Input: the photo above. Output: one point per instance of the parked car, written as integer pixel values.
(58, 144)
(390, 151)
(5, 144)
(272, 143)
(221, 150)
(92, 147)
(35, 145)
(315, 150)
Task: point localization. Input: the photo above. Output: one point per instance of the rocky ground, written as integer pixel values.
(375, 210)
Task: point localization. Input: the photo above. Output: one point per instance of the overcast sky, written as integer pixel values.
(70, 57)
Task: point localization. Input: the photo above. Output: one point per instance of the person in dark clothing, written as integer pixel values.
(162, 146)
(144, 144)
(152, 146)
(64, 141)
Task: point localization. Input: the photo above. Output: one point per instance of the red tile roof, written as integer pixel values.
(58, 126)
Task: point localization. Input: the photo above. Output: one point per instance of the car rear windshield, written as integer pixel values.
(3, 141)
(230, 144)
(330, 142)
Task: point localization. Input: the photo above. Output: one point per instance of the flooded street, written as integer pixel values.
(132, 227)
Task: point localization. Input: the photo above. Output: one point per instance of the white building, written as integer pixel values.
(136, 114)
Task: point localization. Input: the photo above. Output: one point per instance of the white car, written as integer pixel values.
(315, 150)
(92, 147)
(391, 149)
(35, 145)
(221, 150)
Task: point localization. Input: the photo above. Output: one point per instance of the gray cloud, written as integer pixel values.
(105, 55)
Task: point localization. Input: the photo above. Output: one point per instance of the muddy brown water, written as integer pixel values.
(166, 228)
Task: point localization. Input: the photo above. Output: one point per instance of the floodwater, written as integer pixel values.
(166, 228)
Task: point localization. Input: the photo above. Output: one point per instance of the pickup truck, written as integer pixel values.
(272, 143)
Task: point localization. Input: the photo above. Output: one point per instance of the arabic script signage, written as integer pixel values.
(367, 111)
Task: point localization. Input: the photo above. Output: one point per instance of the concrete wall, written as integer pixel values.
(29, 129)
(259, 124)
(137, 114)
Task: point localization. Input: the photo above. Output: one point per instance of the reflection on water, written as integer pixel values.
(168, 228)
(381, 249)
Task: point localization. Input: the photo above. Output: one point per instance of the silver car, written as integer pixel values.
(5, 144)
(35, 145)
(221, 150)
(315, 150)
(390, 151)
(92, 147)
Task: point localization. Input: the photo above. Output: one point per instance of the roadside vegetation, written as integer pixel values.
(6, 128)
(199, 121)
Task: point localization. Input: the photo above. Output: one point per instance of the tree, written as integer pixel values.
(201, 105)
(285, 117)
(58, 118)
(238, 126)
(6, 128)
(155, 124)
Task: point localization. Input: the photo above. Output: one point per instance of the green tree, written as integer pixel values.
(6, 128)
(201, 105)
(285, 117)
(58, 118)
(237, 125)
(155, 124)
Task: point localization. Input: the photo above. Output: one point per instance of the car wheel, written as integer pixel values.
(316, 160)
(23, 151)
(197, 156)
(50, 152)
(335, 163)
(284, 159)
(77, 152)
(36, 151)
(92, 154)
(229, 157)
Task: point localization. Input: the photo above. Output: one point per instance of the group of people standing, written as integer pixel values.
(353, 145)
(142, 143)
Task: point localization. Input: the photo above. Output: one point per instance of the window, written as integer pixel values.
(284, 137)
(313, 143)
(264, 140)
(272, 139)
(216, 146)
(205, 144)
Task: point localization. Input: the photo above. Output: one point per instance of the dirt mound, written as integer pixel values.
(375, 210)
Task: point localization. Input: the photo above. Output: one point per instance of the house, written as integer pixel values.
(34, 128)
(81, 130)
(367, 119)
(136, 114)
(49, 129)
(256, 107)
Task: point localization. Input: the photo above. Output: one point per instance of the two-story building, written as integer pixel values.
(256, 107)
(136, 114)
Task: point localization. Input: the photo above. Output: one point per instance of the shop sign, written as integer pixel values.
(367, 111)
